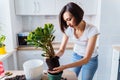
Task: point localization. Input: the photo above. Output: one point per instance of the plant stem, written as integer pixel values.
(51, 49)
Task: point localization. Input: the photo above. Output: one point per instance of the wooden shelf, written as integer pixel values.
(117, 47)
(55, 46)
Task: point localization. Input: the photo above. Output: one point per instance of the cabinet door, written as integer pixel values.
(46, 7)
(24, 55)
(35, 7)
(61, 3)
(25, 7)
(89, 6)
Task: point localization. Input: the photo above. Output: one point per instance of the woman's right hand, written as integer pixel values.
(57, 69)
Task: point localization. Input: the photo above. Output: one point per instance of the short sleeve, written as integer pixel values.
(93, 31)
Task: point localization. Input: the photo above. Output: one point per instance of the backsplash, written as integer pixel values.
(31, 22)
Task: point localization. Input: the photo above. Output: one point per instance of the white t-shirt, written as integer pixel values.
(80, 44)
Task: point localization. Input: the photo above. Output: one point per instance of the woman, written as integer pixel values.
(84, 35)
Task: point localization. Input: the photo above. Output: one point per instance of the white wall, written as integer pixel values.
(6, 22)
(110, 30)
(31, 22)
(9, 23)
(16, 23)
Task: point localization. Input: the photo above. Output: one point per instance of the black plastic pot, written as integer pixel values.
(52, 63)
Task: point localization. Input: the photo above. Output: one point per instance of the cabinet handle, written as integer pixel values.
(35, 7)
(119, 66)
(38, 7)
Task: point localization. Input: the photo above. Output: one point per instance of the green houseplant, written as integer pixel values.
(43, 37)
(2, 45)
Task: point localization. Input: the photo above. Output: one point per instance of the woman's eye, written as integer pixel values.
(69, 19)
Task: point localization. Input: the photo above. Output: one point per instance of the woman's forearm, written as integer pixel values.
(78, 63)
(60, 53)
(62, 46)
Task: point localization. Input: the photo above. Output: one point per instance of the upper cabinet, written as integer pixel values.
(89, 6)
(61, 3)
(35, 7)
(52, 7)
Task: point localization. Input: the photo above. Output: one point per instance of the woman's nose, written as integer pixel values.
(68, 23)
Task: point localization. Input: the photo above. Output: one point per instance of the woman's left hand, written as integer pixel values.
(57, 69)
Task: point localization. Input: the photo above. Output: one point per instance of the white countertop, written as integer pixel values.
(117, 47)
(9, 53)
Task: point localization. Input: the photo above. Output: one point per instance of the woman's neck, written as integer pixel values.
(81, 26)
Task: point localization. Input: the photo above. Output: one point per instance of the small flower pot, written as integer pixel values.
(2, 50)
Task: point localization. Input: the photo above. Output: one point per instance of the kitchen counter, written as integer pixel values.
(5, 56)
(66, 74)
(55, 46)
(117, 47)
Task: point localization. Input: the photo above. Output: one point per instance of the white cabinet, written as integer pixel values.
(22, 7)
(89, 6)
(24, 55)
(61, 3)
(115, 62)
(52, 7)
(35, 7)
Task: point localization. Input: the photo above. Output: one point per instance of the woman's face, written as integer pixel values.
(69, 19)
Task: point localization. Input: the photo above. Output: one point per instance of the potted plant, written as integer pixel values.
(43, 37)
(2, 45)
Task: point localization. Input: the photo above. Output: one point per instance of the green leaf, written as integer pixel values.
(42, 37)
